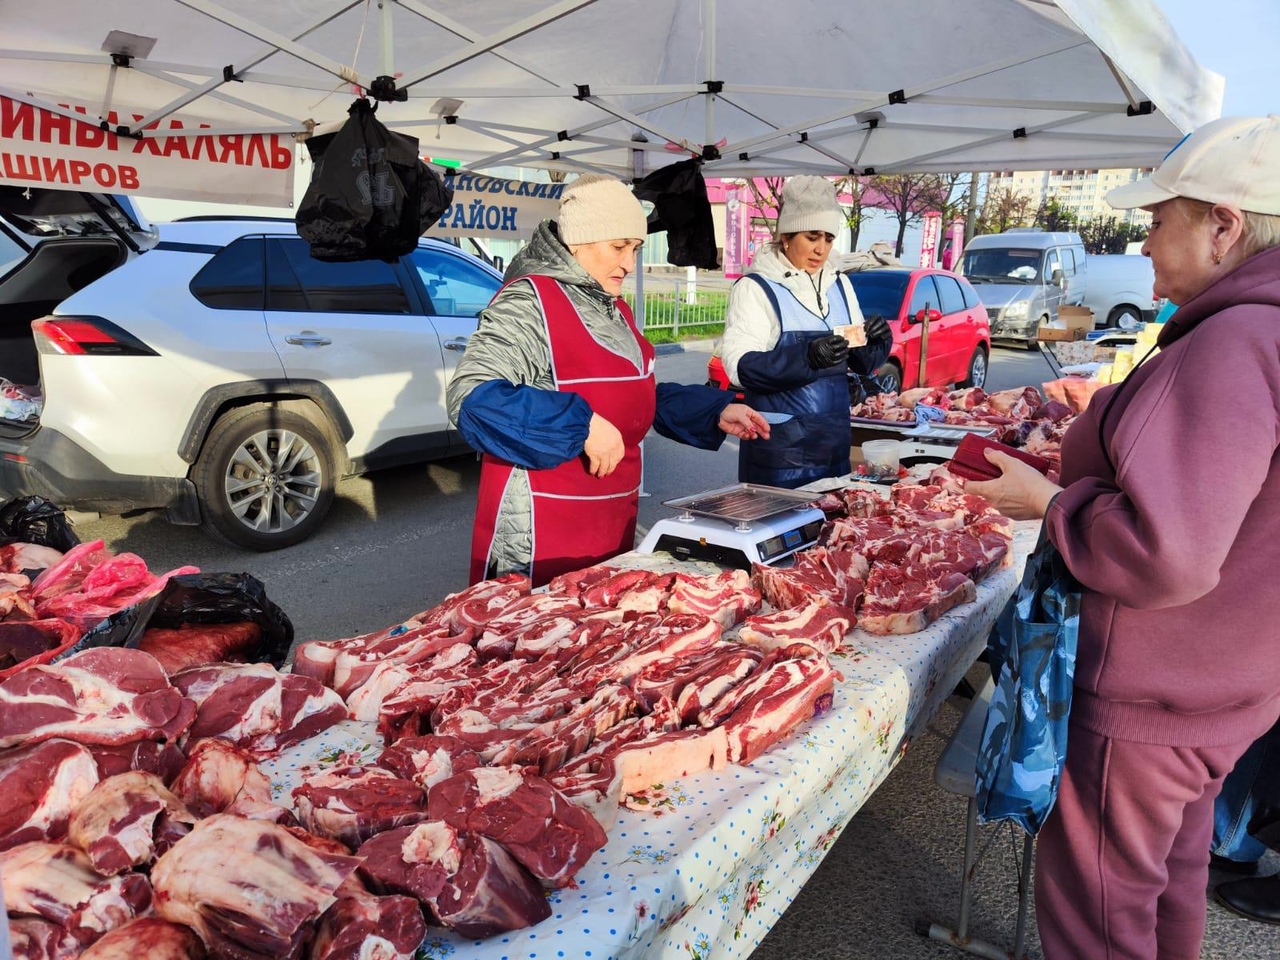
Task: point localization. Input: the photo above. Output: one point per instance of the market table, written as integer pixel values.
(723, 853)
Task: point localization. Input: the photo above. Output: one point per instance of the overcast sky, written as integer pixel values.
(1239, 39)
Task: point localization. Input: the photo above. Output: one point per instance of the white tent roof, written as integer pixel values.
(821, 86)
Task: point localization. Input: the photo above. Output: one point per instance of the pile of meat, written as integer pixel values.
(898, 563)
(1022, 416)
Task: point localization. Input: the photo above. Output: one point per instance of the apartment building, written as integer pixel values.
(1083, 192)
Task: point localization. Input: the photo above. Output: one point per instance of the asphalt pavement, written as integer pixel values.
(397, 541)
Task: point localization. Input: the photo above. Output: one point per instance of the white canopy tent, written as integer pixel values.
(619, 86)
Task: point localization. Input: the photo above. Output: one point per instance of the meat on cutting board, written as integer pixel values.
(42, 785)
(351, 804)
(537, 824)
(106, 695)
(127, 820)
(149, 938)
(56, 881)
(250, 888)
(254, 706)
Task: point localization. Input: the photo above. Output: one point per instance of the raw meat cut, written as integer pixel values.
(428, 760)
(256, 707)
(127, 820)
(57, 882)
(361, 926)
(726, 597)
(811, 576)
(162, 759)
(907, 599)
(148, 938)
(677, 634)
(17, 557)
(218, 774)
(665, 678)
(526, 814)
(412, 860)
(42, 785)
(353, 666)
(351, 804)
(105, 695)
(550, 744)
(857, 532)
(724, 672)
(498, 639)
(842, 566)
(390, 680)
(34, 939)
(26, 642)
(251, 889)
(864, 504)
(819, 623)
(479, 603)
(196, 644)
(89, 584)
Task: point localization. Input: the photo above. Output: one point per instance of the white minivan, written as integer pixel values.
(1023, 276)
(1120, 290)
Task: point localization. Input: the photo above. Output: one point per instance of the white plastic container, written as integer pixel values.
(881, 457)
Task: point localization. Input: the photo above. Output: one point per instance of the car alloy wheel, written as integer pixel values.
(977, 369)
(273, 481)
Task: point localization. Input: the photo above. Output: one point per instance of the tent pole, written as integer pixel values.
(386, 38)
(637, 173)
(709, 36)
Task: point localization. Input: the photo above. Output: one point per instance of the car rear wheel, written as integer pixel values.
(265, 478)
(1124, 318)
(890, 378)
(977, 369)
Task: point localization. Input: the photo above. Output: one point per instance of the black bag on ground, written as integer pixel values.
(36, 520)
(371, 197)
(208, 598)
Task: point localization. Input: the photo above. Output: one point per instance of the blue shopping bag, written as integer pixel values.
(1032, 650)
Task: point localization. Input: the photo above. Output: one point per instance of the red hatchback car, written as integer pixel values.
(959, 338)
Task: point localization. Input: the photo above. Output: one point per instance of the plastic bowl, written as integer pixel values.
(881, 457)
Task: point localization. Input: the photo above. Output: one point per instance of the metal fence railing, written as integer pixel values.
(671, 314)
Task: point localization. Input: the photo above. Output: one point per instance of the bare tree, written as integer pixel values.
(854, 211)
(767, 195)
(1002, 208)
(909, 196)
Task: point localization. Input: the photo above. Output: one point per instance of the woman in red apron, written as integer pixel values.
(556, 390)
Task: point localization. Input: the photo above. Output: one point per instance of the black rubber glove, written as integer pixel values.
(877, 327)
(827, 351)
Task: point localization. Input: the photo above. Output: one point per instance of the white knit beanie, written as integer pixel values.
(809, 203)
(595, 207)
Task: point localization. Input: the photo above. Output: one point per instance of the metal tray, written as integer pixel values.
(742, 502)
(932, 430)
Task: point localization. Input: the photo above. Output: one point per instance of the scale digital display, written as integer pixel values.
(792, 538)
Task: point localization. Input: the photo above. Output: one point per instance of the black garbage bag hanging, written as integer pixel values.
(371, 197)
(680, 206)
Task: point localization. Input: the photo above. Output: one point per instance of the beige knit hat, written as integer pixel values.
(595, 207)
(809, 203)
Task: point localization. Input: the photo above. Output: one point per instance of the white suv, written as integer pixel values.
(229, 379)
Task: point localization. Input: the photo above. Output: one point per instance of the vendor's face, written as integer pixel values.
(608, 261)
(808, 251)
(1181, 247)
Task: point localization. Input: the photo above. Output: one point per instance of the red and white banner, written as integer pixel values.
(931, 227)
(41, 148)
(736, 220)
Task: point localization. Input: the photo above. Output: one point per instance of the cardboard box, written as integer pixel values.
(1076, 318)
(1059, 333)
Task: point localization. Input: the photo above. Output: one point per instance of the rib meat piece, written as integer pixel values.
(819, 623)
(42, 785)
(218, 774)
(390, 679)
(648, 641)
(256, 707)
(351, 804)
(149, 938)
(251, 889)
(724, 672)
(106, 695)
(725, 597)
(127, 820)
(537, 824)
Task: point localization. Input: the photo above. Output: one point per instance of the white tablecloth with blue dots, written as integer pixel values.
(714, 859)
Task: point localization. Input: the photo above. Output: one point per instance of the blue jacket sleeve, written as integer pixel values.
(689, 413)
(771, 371)
(865, 361)
(532, 428)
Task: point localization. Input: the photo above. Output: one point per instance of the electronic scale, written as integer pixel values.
(737, 526)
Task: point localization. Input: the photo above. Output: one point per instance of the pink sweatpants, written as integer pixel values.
(1123, 861)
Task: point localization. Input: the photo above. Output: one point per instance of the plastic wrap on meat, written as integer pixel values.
(351, 804)
(251, 889)
(165, 760)
(42, 785)
(90, 584)
(106, 695)
(256, 707)
(361, 926)
(537, 824)
(726, 597)
(56, 881)
(127, 820)
(148, 938)
(428, 760)
(218, 774)
(196, 644)
(819, 623)
(25, 642)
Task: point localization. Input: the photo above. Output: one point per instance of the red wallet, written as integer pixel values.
(970, 463)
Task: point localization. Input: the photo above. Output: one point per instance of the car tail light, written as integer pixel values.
(79, 336)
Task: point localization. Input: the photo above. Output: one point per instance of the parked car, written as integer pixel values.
(1120, 290)
(226, 377)
(959, 345)
(1024, 275)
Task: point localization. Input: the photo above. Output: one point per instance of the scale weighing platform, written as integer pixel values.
(737, 526)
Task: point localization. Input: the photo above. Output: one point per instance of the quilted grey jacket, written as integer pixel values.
(511, 344)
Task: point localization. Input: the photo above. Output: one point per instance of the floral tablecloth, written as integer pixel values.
(715, 859)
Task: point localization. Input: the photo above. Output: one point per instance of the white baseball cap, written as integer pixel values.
(1231, 160)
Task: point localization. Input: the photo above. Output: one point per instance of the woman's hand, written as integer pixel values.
(1021, 492)
(744, 422)
(604, 447)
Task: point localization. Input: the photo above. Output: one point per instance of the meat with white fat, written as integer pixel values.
(351, 804)
(218, 774)
(148, 938)
(127, 820)
(42, 785)
(819, 623)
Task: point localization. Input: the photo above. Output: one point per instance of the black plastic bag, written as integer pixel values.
(36, 520)
(226, 598)
(371, 197)
(680, 206)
